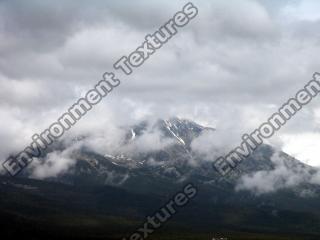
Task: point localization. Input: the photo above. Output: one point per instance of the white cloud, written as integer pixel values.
(304, 146)
(282, 176)
(54, 164)
(303, 10)
(226, 68)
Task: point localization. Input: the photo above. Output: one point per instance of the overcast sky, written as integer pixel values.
(231, 67)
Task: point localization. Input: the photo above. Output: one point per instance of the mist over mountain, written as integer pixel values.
(172, 151)
(266, 191)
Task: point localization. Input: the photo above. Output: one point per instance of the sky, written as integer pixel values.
(230, 68)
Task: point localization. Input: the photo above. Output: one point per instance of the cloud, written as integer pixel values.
(151, 140)
(54, 164)
(303, 146)
(231, 67)
(286, 174)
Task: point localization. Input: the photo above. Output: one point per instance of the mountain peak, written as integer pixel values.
(183, 131)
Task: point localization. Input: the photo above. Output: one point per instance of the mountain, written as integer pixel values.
(174, 161)
(104, 195)
(141, 170)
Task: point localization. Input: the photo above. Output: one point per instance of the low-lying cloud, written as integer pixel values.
(286, 174)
